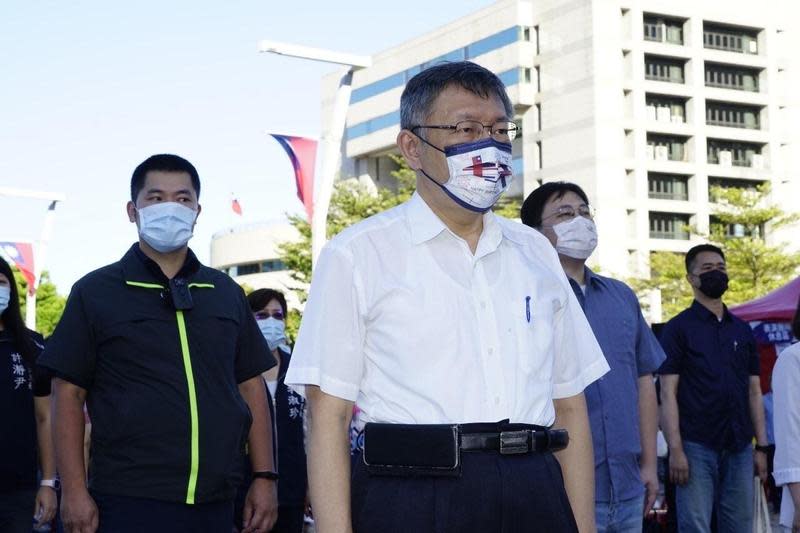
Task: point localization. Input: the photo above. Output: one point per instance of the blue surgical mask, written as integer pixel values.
(166, 226)
(274, 331)
(5, 296)
(480, 172)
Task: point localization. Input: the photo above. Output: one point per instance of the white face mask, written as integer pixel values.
(5, 296)
(577, 238)
(480, 172)
(166, 226)
(274, 332)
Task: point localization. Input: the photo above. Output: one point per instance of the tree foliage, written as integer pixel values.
(49, 304)
(740, 221)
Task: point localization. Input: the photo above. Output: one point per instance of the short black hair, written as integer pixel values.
(796, 322)
(12, 319)
(422, 90)
(259, 299)
(533, 206)
(693, 252)
(164, 163)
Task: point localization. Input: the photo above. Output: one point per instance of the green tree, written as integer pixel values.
(740, 218)
(49, 304)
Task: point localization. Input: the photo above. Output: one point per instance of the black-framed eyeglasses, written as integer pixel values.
(470, 130)
(567, 212)
(263, 315)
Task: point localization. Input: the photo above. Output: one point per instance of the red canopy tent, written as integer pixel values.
(776, 306)
(770, 317)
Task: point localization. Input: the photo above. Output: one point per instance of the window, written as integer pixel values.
(663, 69)
(666, 148)
(668, 186)
(738, 154)
(248, 268)
(736, 230)
(732, 116)
(730, 39)
(669, 226)
(663, 30)
(731, 77)
(665, 108)
(272, 265)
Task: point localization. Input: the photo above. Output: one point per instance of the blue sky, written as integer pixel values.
(92, 88)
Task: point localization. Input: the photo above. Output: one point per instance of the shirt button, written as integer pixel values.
(491, 351)
(483, 305)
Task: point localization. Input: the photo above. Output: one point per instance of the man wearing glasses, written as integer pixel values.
(457, 334)
(623, 410)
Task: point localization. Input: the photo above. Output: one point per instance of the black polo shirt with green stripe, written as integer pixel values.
(168, 422)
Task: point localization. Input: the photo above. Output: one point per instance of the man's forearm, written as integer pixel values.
(259, 440)
(68, 425)
(329, 461)
(670, 418)
(577, 459)
(648, 420)
(44, 437)
(756, 401)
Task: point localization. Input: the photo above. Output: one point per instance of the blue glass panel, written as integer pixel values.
(509, 77)
(493, 42)
(372, 125)
(517, 166)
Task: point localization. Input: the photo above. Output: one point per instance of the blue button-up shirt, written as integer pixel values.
(632, 351)
(714, 359)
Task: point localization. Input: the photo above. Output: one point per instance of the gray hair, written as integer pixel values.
(423, 89)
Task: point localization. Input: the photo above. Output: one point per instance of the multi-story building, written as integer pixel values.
(646, 104)
(249, 254)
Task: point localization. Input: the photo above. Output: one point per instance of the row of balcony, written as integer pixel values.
(720, 75)
(673, 110)
(718, 152)
(671, 30)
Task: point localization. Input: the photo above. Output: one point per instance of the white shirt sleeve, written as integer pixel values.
(578, 358)
(786, 400)
(329, 351)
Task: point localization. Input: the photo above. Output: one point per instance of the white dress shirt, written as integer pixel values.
(786, 400)
(404, 320)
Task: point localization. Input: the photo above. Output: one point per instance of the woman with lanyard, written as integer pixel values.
(287, 408)
(25, 411)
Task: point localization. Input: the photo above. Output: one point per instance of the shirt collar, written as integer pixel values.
(592, 278)
(138, 267)
(703, 313)
(425, 225)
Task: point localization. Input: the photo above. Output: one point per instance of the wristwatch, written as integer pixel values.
(54, 484)
(762, 449)
(266, 474)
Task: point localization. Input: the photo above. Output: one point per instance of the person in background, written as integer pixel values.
(623, 410)
(270, 311)
(711, 404)
(25, 412)
(786, 392)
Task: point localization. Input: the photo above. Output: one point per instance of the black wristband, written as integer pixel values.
(762, 449)
(267, 474)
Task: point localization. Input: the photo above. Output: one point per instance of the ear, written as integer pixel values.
(131, 208)
(410, 146)
(199, 208)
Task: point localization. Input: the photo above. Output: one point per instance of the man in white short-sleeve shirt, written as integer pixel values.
(459, 337)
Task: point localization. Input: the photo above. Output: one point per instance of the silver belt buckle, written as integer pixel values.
(514, 442)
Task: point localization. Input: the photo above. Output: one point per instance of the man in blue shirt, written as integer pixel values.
(623, 411)
(711, 403)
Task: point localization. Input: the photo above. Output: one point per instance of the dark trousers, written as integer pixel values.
(494, 494)
(16, 510)
(290, 519)
(122, 514)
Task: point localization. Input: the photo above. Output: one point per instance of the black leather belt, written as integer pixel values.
(516, 442)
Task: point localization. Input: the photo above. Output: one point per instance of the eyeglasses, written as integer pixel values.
(263, 315)
(470, 130)
(567, 212)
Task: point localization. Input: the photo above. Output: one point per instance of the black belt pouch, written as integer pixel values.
(411, 449)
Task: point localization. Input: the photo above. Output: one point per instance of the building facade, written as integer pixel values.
(646, 104)
(249, 254)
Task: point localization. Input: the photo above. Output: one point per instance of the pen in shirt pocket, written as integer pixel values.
(528, 308)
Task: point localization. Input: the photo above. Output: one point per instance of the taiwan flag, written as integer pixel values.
(302, 153)
(21, 254)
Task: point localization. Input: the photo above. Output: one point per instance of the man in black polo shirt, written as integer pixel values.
(168, 357)
(711, 403)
